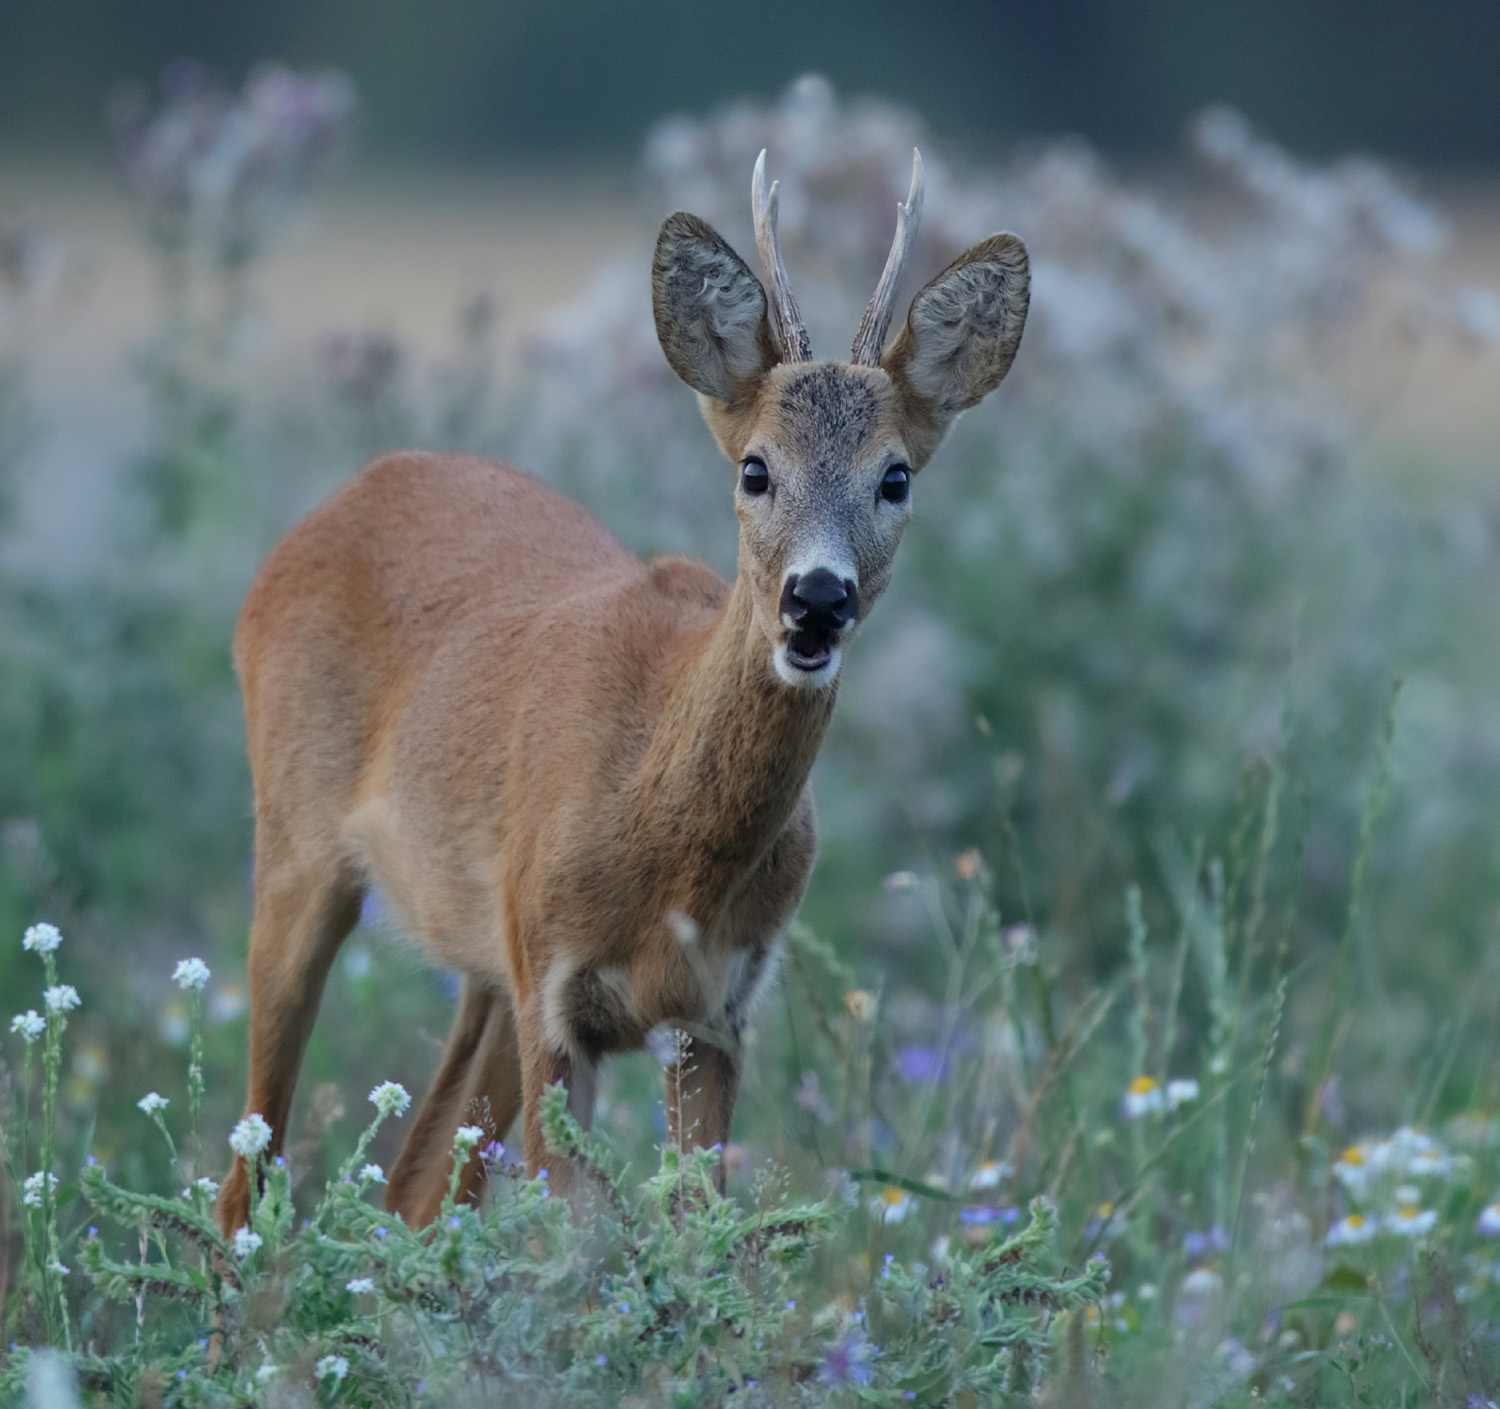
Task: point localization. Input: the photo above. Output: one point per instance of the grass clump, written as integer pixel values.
(658, 1292)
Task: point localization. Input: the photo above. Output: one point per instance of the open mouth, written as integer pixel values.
(809, 650)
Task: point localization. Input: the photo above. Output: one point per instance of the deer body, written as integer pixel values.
(580, 778)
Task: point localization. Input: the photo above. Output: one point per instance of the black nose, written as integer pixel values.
(819, 601)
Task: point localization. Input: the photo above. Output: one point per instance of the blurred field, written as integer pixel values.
(402, 249)
(397, 253)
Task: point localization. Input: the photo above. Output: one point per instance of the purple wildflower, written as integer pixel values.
(918, 1065)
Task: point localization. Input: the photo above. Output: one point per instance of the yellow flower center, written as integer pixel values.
(1352, 1156)
(1356, 1220)
(1142, 1086)
(891, 1196)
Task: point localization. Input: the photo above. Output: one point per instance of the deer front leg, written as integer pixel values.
(479, 1084)
(544, 1061)
(702, 1085)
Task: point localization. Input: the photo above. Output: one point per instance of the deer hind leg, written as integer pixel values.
(702, 1086)
(302, 915)
(479, 1083)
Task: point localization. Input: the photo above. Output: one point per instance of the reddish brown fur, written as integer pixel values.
(548, 754)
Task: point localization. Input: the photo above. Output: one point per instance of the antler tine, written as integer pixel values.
(786, 321)
(869, 341)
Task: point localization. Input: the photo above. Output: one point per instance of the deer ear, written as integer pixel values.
(710, 310)
(962, 333)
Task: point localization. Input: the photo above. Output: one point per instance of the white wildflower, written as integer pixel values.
(61, 998)
(991, 1174)
(390, 1098)
(373, 1173)
(1489, 1221)
(151, 1103)
(1354, 1229)
(334, 1365)
(265, 1373)
(191, 973)
(246, 1242)
(1430, 1163)
(1416, 1152)
(1142, 1097)
(42, 938)
(206, 1187)
(1411, 1221)
(359, 1285)
(29, 1024)
(891, 1204)
(1354, 1168)
(31, 1188)
(1180, 1093)
(1202, 1282)
(250, 1136)
(466, 1137)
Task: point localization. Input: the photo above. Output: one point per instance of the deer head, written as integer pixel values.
(827, 451)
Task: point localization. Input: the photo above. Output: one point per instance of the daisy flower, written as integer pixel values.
(1348, 1232)
(1411, 1221)
(891, 1204)
(1353, 1170)
(1142, 1097)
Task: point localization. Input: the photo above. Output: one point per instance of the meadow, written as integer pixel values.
(1139, 1039)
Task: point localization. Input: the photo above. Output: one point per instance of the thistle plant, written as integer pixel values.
(39, 1202)
(664, 1289)
(192, 976)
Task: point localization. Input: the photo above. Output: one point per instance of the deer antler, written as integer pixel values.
(786, 321)
(869, 341)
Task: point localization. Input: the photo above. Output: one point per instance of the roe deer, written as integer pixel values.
(551, 756)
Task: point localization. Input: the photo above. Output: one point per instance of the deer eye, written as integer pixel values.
(896, 485)
(754, 477)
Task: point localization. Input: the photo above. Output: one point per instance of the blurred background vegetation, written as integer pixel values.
(527, 82)
(1201, 602)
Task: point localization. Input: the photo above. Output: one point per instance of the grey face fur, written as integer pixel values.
(828, 433)
(827, 437)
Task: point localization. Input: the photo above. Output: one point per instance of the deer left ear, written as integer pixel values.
(961, 334)
(710, 311)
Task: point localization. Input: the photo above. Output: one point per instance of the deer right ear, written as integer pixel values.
(710, 310)
(961, 336)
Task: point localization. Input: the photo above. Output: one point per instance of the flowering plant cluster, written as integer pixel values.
(1390, 1186)
(213, 174)
(667, 1289)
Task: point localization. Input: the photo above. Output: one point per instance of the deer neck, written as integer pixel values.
(730, 756)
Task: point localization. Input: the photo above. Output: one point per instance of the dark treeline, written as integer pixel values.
(509, 79)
